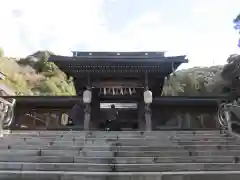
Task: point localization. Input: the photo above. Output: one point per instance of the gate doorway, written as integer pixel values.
(126, 118)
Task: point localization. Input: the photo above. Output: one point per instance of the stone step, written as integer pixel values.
(39, 159)
(90, 167)
(172, 138)
(56, 153)
(129, 143)
(24, 166)
(89, 153)
(136, 140)
(119, 138)
(119, 144)
(179, 153)
(163, 139)
(169, 167)
(120, 148)
(62, 175)
(169, 132)
(118, 160)
(113, 133)
(120, 135)
(152, 160)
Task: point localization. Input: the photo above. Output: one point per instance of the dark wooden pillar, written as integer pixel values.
(140, 106)
(147, 107)
(95, 108)
(148, 117)
(87, 109)
(187, 121)
(79, 85)
(87, 117)
(156, 87)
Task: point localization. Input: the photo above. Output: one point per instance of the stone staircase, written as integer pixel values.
(98, 155)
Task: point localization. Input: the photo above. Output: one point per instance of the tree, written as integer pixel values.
(236, 22)
(231, 74)
(237, 19)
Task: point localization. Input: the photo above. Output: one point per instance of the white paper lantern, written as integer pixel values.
(64, 119)
(148, 97)
(87, 96)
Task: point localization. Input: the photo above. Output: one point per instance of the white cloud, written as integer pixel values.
(61, 26)
(56, 25)
(216, 37)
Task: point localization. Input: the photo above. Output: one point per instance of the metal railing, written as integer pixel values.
(229, 117)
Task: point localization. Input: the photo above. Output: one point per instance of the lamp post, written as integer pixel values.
(148, 114)
(87, 99)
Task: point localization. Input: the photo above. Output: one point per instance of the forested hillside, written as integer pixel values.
(34, 75)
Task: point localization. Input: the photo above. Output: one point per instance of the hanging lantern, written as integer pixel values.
(130, 91)
(147, 97)
(104, 91)
(108, 91)
(64, 119)
(117, 91)
(87, 96)
(111, 91)
(121, 91)
(134, 91)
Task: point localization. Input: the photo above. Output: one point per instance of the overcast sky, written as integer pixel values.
(201, 29)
